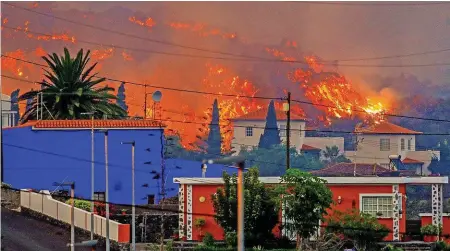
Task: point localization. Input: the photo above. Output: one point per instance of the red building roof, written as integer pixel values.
(346, 169)
(79, 124)
(411, 161)
(261, 114)
(385, 127)
(310, 148)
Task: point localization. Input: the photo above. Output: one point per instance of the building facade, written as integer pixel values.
(248, 129)
(39, 153)
(378, 196)
(376, 143)
(8, 116)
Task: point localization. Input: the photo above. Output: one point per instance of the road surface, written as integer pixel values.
(23, 233)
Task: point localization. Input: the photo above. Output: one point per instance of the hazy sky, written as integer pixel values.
(330, 31)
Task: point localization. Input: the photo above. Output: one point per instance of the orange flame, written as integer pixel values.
(149, 22)
(202, 30)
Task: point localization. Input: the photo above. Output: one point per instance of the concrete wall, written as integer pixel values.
(43, 203)
(240, 137)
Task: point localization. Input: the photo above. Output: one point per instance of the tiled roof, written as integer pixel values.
(261, 114)
(346, 169)
(385, 127)
(54, 124)
(310, 148)
(411, 161)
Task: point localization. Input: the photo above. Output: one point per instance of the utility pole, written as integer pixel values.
(240, 188)
(145, 101)
(92, 170)
(133, 209)
(354, 155)
(106, 192)
(163, 190)
(287, 109)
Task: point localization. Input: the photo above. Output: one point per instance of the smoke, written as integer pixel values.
(330, 31)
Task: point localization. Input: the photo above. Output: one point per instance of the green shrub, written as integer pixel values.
(169, 245)
(199, 222)
(363, 229)
(231, 239)
(208, 240)
(430, 229)
(6, 185)
(389, 247)
(206, 248)
(81, 204)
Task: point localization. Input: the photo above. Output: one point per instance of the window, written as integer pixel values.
(282, 130)
(151, 199)
(385, 144)
(249, 131)
(378, 204)
(99, 196)
(402, 144)
(409, 144)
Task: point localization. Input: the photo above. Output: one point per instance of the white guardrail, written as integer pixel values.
(44, 203)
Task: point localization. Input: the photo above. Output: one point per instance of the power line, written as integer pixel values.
(224, 94)
(127, 34)
(241, 57)
(362, 111)
(145, 85)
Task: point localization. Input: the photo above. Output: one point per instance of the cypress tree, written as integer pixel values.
(214, 138)
(121, 97)
(271, 135)
(15, 105)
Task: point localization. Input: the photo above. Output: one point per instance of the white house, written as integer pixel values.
(8, 116)
(374, 144)
(248, 129)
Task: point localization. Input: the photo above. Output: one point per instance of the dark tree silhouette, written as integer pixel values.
(121, 97)
(214, 140)
(271, 135)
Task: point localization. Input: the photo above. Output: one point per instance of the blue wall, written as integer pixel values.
(37, 158)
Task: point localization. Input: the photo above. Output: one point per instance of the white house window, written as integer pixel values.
(379, 206)
(99, 196)
(282, 130)
(402, 144)
(409, 144)
(249, 131)
(385, 144)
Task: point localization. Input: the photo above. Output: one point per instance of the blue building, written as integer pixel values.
(39, 153)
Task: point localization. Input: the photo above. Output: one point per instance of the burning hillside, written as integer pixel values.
(233, 81)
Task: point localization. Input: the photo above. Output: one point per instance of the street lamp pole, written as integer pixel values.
(92, 171)
(72, 211)
(106, 192)
(133, 209)
(240, 165)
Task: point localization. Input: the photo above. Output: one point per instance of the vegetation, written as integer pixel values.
(271, 135)
(81, 204)
(261, 214)
(121, 97)
(214, 141)
(272, 161)
(307, 199)
(430, 230)
(208, 240)
(332, 155)
(70, 89)
(362, 229)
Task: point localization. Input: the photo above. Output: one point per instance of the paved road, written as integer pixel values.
(22, 233)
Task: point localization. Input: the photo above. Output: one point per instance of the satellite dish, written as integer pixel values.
(157, 96)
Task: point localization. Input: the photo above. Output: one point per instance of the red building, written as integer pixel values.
(364, 189)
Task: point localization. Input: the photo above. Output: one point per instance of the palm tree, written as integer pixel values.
(70, 90)
(332, 155)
